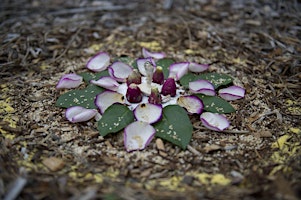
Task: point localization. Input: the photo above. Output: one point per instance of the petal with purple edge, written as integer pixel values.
(106, 82)
(141, 65)
(157, 55)
(120, 71)
(138, 135)
(69, 81)
(232, 93)
(99, 62)
(79, 114)
(107, 98)
(197, 68)
(192, 104)
(214, 121)
(147, 112)
(202, 87)
(178, 70)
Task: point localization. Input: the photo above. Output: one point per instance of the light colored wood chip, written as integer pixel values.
(53, 163)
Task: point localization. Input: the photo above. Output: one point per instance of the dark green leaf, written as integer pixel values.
(165, 63)
(215, 78)
(84, 97)
(88, 76)
(114, 119)
(175, 126)
(215, 104)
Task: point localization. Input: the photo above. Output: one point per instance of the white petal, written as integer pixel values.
(141, 62)
(147, 112)
(138, 135)
(107, 98)
(79, 114)
(232, 93)
(69, 81)
(99, 62)
(202, 86)
(156, 55)
(214, 121)
(197, 68)
(107, 82)
(192, 104)
(120, 71)
(178, 70)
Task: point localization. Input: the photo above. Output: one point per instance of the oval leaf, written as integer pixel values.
(215, 104)
(88, 76)
(175, 126)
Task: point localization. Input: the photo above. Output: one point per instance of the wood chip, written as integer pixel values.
(211, 148)
(161, 148)
(53, 163)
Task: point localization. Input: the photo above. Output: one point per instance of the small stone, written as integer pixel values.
(53, 163)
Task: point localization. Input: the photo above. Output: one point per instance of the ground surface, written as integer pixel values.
(42, 156)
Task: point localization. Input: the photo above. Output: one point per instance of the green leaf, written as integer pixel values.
(165, 63)
(215, 104)
(215, 78)
(175, 126)
(88, 76)
(114, 119)
(84, 97)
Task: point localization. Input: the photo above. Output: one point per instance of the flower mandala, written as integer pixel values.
(148, 97)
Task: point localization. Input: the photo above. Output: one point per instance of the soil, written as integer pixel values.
(43, 156)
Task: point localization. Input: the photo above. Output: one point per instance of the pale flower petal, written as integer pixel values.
(138, 135)
(232, 93)
(79, 114)
(120, 71)
(202, 87)
(107, 98)
(178, 70)
(106, 82)
(148, 112)
(192, 104)
(214, 121)
(99, 62)
(157, 55)
(197, 68)
(69, 81)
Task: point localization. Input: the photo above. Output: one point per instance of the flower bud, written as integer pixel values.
(134, 94)
(134, 77)
(169, 87)
(155, 97)
(158, 76)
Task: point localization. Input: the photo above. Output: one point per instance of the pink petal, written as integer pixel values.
(197, 68)
(69, 81)
(178, 70)
(107, 98)
(202, 87)
(192, 104)
(106, 82)
(141, 62)
(232, 93)
(99, 62)
(214, 121)
(138, 135)
(79, 114)
(120, 71)
(156, 55)
(147, 112)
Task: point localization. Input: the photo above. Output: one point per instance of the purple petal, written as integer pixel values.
(141, 62)
(197, 68)
(99, 62)
(202, 87)
(214, 121)
(192, 104)
(138, 135)
(169, 87)
(106, 82)
(134, 94)
(107, 98)
(157, 55)
(158, 76)
(147, 112)
(232, 93)
(134, 77)
(178, 70)
(69, 81)
(79, 114)
(155, 96)
(120, 71)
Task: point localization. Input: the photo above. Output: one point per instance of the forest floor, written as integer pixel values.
(43, 156)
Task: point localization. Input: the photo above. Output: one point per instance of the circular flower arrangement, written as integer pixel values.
(148, 97)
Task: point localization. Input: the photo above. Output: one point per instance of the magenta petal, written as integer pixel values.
(197, 68)
(214, 121)
(232, 93)
(141, 67)
(192, 104)
(79, 114)
(178, 70)
(107, 98)
(69, 81)
(202, 87)
(156, 55)
(134, 94)
(138, 135)
(169, 87)
(106, 82)
(99, 62)
(120, 71)
(147, 112)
